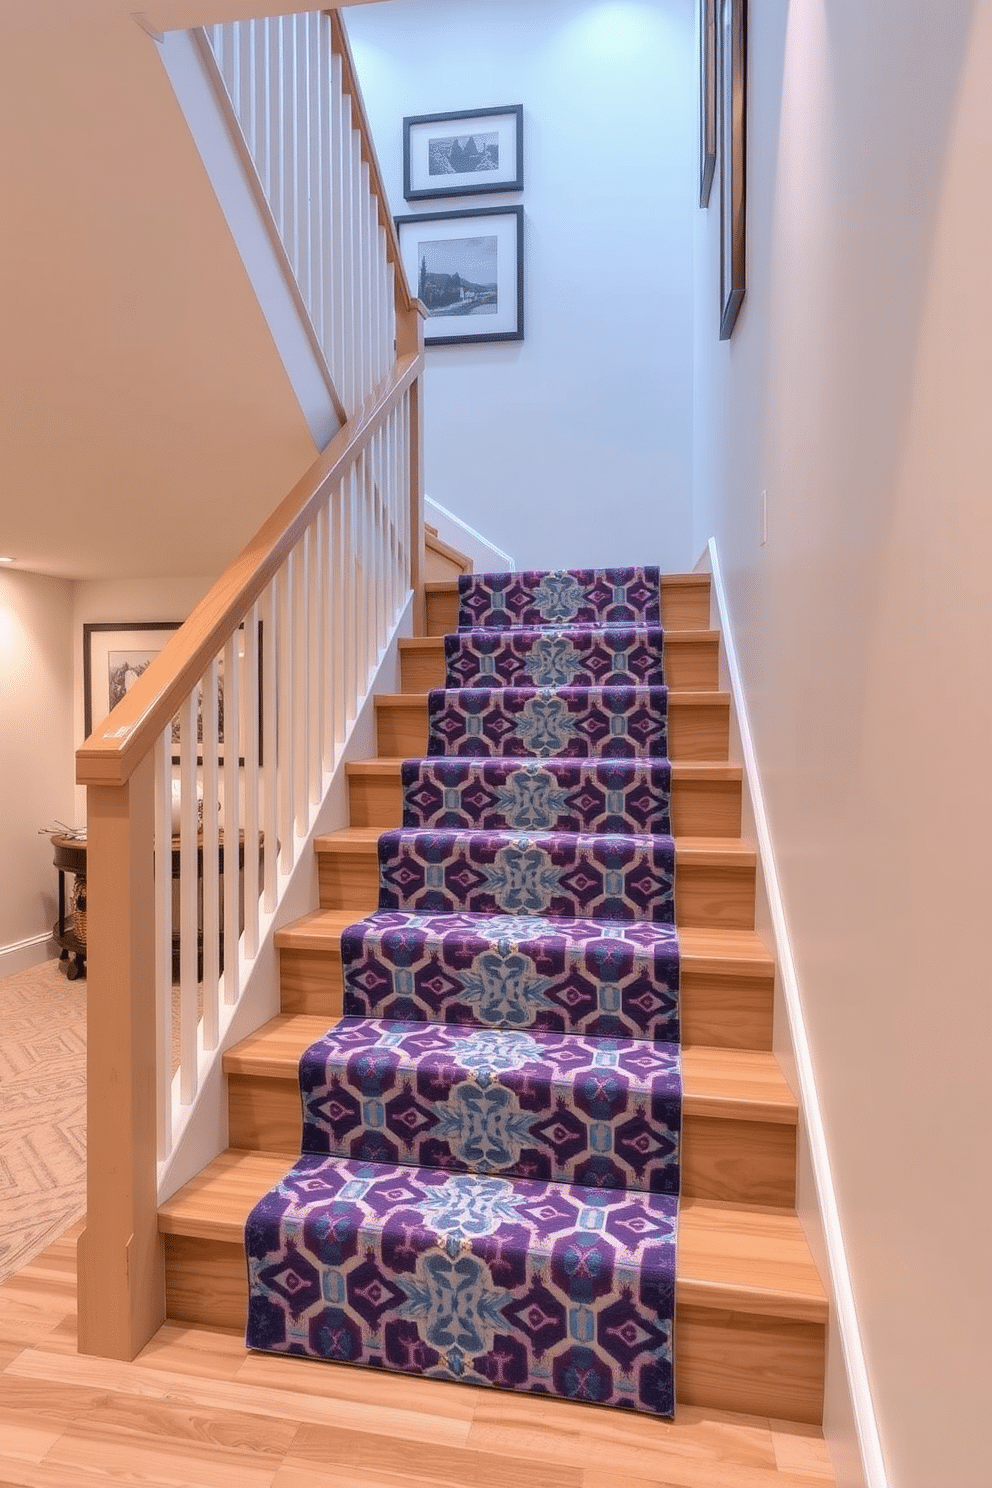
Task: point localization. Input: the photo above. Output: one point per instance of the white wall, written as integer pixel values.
(585, 456)
(857, 391)
(35, 756)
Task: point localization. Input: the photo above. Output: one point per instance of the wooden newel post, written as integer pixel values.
(409, 340)
(120, 1253)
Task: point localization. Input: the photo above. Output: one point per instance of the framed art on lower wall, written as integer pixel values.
(114, 656)
(468, 269)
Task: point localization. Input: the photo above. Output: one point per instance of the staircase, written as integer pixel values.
(751, 1311)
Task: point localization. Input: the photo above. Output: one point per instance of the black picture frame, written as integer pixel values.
(446, 262)
(733, 161)
(707, 98)
(110, 646)
(488, 144)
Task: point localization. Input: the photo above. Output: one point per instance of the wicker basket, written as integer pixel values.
(77, 903)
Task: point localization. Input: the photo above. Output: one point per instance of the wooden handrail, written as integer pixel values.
(112, 753)
(349, 80)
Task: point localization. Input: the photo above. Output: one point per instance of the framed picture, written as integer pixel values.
(463, 154)
(733, 160)
(116, 653)
(707, 98)
(468, 269)
(114, 656)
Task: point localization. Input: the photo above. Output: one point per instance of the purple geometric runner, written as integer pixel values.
(545, 722)
(578, 596)
(601, 977)
(587, 656)
(524, 1285)
(544, 795)
(492, 1132)
(591, 874)
(600, 1112)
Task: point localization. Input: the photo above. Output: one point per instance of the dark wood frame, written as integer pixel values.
(517, 214)
(733, 161)
(707, 97)
(463, 188)
(125, 627)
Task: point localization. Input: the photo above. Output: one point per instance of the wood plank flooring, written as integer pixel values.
(194, 1409)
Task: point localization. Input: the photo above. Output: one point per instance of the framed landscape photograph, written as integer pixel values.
(733, 160)
(114, 656)
(468, 269)
(463, 154)
(707, 98)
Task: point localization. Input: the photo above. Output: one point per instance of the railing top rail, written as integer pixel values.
(110, 755)
(350, 82)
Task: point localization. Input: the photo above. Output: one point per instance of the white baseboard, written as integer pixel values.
(485, 556)
(845, 1316)
(24, 954)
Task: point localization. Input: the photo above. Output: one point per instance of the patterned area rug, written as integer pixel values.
(489, 1184)
(42, 1110)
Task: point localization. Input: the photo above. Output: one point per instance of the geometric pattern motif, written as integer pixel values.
(541, 1287)
(612, 876)
(488, 1186)
(606, 978)
(563, 722)
(514, 1103)
(589, 656)
(613, 596)
(538, 795)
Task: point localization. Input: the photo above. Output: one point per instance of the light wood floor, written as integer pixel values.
(195, 1409)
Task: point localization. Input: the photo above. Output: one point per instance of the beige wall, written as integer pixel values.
(857, 391)
(35, 755)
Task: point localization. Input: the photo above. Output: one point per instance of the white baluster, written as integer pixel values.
(232, 820)
(210, 878)
(284, 703)
(163, 940)
(188, 884)
(251, 781)
(268, 747)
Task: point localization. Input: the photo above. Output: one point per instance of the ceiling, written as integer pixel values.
(147, 425)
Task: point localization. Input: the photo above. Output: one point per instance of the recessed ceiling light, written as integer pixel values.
(6, 560)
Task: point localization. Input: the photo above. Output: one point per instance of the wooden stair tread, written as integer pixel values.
(697, 697)
(710, 852)
(668, 581)
(389, 766)
(672, 638)
(732, 1259)
(731, 952)
(730, 1084)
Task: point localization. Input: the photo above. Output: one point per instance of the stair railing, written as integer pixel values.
(205, 780)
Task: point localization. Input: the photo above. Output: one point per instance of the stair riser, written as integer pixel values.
(696, 731)
(700, 808)
(683, 607)
(723, 1360)
(691, 663)
(723, 1012)
(714, 896)
(739, 1162)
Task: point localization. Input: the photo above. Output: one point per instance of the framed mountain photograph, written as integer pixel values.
(468, 270)
(463, 154)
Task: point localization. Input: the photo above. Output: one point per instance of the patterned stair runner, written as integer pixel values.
(566, 1107)
(612, 979)
(539, 795)
(488, 1188)
(544, 722)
